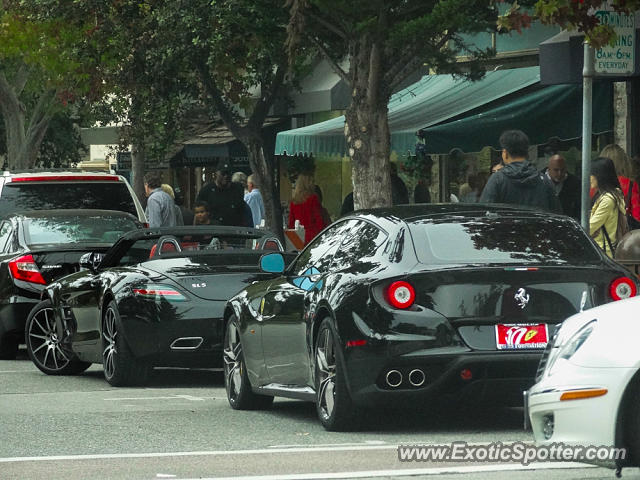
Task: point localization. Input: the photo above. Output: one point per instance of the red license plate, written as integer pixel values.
(520, 336)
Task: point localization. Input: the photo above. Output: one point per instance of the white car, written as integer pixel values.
(588, 383)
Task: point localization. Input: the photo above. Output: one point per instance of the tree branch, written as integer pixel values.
(329, 26)
(337, 68)
(8, 97)
(24, 72)
(41, 109)
(262, 107)
(215, 94)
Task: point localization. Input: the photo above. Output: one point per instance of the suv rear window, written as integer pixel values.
(506, 240)
(77, 229)
(21, 196)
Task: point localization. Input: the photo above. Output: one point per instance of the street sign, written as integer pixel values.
(619, 59)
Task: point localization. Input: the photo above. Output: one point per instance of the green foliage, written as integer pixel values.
(570, 15)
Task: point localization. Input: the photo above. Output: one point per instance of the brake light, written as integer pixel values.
(157, 292)
(622, 288)
(24, 268)
(356, 343)
(145, 225)
(67, 178)
(401, 294)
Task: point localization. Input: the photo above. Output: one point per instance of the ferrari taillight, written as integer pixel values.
(622, 288)
(24, 268)
(401, 294)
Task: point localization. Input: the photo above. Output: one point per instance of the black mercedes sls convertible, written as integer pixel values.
(412, 304)
(155, 298)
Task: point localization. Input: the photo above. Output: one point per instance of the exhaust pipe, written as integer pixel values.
(416, 377)
(394, 378)
(186, 343)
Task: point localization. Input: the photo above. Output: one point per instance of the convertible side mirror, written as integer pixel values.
(272, 263)
(91, 261)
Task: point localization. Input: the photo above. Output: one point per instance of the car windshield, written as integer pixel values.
(502, 240)
(188, 245)
(77, 229)
(24, 196)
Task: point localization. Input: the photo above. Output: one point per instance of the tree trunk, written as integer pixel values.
(367, 129)
(264, 170)
(137, 171)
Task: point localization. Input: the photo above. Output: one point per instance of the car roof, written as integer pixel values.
(66, 175)
(411, 213)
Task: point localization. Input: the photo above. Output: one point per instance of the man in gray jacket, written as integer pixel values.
(160, 209)
(519, 182)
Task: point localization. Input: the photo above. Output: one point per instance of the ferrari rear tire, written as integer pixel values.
(236, 380)
(44, 346)
(121, 367)
(333, 403)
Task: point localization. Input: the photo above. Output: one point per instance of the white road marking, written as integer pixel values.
(165, 475)
(13, 371)
(191, 398)
(54, 458)
(405, 472)
(347, 444)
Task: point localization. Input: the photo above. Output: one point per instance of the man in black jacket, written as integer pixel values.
(518, 182)
(565, 185)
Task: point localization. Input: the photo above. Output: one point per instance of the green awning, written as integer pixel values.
(455, 112)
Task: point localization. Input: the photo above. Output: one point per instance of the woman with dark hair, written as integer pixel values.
(608, 204)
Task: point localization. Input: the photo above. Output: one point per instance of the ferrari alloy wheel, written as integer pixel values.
(121, 368)
(43, 344)
(236, 380)
(335, 408)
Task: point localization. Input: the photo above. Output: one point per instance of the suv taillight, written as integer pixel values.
(24, 268)
(622, 288)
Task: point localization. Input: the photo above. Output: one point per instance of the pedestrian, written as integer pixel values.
(565, 185)
(241, 179)
(421, 193)
(625, 172)
(518, 182)
(253, 198)
(305, 207)
(608, 214)
(399, 192)
(160, 209)
(201, 213)
(187, 215)
(347, 204)
(326, 218)
(169, 189)
(473, 192)
(225, 199)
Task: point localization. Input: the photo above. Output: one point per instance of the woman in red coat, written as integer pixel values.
(624, 170)
(305, 207)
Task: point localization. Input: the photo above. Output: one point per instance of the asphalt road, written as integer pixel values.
(180, 427)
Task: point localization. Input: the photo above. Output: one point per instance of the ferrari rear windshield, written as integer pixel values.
(503, 240)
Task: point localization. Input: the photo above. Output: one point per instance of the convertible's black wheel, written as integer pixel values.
(236, 380)
(335, 408)
(43, 344)
(8, 346)
(121, 368)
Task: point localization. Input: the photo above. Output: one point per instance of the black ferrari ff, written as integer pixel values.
(413, 304)
(155, 298)
(38, 247)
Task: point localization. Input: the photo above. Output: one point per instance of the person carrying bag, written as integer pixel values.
(608, 220)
